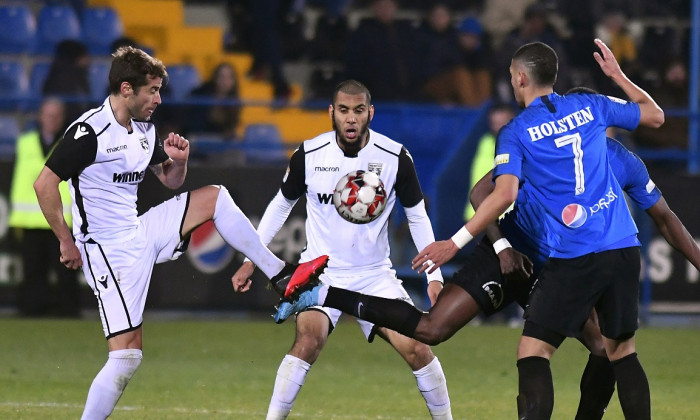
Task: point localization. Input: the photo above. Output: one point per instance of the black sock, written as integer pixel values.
(632, 387)
(597, 387)
(536, 399)
(394, 314)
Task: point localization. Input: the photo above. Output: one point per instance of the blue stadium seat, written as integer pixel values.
(182, 78)
(18, 29)
(262, 143)
(14, 84)
(98, 77)
(55, 23)
(40, 70)
(101, 26)
(9, 131)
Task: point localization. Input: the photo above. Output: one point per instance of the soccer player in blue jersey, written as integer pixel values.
(556, 149)
(593, 262)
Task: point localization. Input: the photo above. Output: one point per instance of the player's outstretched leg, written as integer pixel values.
(295, 278)
(306, 299)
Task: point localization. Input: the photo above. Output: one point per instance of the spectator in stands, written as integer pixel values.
(614, 33)
(478, 59)
(671, 93)
(380, 54)
(501, 17)
(535, 27)
(267, 51)
(442, 66)
(68, 77)
(37, 243)
(219, 118)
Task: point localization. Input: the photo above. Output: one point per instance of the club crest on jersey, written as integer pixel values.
(375, 167)
(574, 215)
(144, 143)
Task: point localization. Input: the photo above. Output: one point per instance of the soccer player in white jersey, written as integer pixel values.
(104, 156)
(359, 254)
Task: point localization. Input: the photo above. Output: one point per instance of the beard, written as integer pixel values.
(351, 147)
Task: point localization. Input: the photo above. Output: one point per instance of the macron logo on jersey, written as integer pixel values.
(80, 132)
(571, 121)
(126, 177)
(326, 169)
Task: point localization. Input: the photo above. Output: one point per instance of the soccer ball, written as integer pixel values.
(359, 197)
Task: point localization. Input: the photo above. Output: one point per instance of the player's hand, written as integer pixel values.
(514, 265)
(241, 279)
(70, 255)
(177, 147)
(434, 289)
(434, 255)
(607, 61)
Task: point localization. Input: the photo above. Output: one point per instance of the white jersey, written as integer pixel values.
(315, 169)
(104, 164)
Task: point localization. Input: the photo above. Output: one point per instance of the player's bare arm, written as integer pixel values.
(514, 265)
(651, 115)
(674, 231)
(46, 188)
(440, 252)
(172, 172)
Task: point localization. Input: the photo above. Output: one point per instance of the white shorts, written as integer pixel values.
(379, 282)
(119, 274)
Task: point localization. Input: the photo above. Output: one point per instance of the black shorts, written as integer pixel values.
(481, 277)
(569, 288)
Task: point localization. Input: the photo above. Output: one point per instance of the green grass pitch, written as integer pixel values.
(225, 369)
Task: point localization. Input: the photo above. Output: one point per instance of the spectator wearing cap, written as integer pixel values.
(448, 80)
(478, 59)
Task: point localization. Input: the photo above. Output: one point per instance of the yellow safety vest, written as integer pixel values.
(29, 161)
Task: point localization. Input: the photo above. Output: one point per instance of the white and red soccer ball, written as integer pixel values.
(359, 197)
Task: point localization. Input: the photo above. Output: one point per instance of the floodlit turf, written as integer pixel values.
(225, 369)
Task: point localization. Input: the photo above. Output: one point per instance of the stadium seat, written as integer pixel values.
(40, 70)
(101, 26)
(14, 84)
(262, 143)
(55, 23)
(9, 131)
(98, 77)
(18, 29)
(182, 78)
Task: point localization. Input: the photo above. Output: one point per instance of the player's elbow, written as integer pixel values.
(653, 118)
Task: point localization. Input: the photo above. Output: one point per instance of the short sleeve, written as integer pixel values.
(509, 154)
(74, 152)
(618, 112)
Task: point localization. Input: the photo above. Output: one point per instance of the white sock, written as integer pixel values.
(110, 382)
(237, 231)
(290, 377)
(432, 384)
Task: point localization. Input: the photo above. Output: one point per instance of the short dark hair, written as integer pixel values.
(352, 87)
(133, 65)
(541, 61)
(581, 89)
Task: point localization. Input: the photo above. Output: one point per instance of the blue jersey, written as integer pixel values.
(526, 231)
(557, 148)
